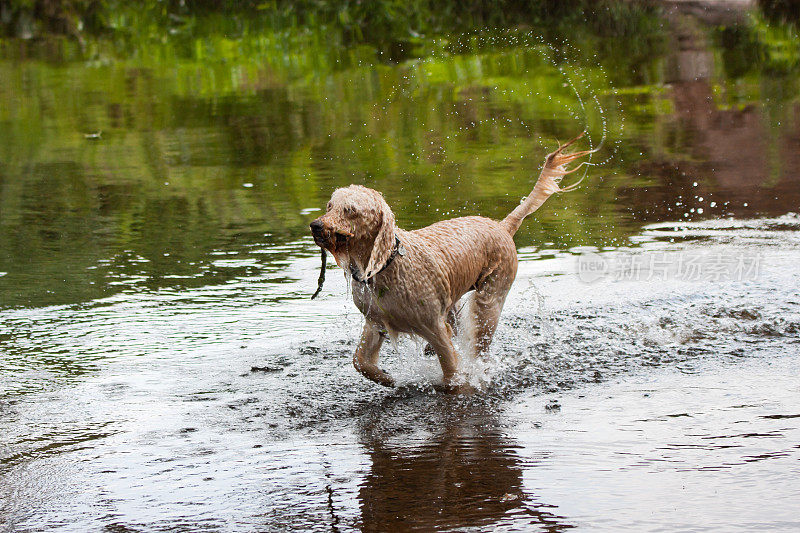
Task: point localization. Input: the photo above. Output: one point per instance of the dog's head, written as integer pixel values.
(358, 226)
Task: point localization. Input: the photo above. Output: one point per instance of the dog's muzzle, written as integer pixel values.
(318, 232)
(328, 238)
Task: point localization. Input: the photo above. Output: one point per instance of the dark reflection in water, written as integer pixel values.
(464, 473)
(740, 154)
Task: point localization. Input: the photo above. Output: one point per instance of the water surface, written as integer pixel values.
(164, 369)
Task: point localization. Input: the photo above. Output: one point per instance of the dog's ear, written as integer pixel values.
(384, 242)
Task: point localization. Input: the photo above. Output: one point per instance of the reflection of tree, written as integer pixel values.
(466, 474)
(732, 142)
(187, 122)
(732, 151)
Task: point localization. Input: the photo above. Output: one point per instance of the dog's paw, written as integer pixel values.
(460, 389)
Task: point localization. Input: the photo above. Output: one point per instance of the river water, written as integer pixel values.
(163, 368)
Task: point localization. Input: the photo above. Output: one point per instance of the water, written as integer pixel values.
(164, 368)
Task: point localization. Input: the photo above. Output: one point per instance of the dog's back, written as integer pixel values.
(466, 251)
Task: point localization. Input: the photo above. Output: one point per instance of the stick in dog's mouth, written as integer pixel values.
(341, 239)
(321, 280)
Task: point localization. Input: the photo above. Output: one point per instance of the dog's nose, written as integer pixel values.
(316, 226)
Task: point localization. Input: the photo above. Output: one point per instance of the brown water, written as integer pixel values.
(164, 369)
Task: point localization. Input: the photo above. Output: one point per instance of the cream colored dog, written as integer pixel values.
(410, 281)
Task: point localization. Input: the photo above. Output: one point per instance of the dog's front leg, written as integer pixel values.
(366, 357)
(440, 339)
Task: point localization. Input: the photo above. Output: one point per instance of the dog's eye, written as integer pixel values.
(328, 207)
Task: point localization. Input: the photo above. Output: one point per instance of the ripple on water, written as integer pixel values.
(179, 412)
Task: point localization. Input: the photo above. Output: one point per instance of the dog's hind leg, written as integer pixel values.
(485, 316)
(366, 357)
(485, 307)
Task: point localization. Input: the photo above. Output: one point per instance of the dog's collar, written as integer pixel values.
(397, 250)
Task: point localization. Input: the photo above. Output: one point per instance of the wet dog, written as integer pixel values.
(410, 281)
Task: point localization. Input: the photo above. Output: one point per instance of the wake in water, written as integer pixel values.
(591, 332)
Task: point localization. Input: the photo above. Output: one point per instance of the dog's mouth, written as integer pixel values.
(333, 241)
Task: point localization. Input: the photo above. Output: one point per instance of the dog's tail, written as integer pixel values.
(548, 183)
